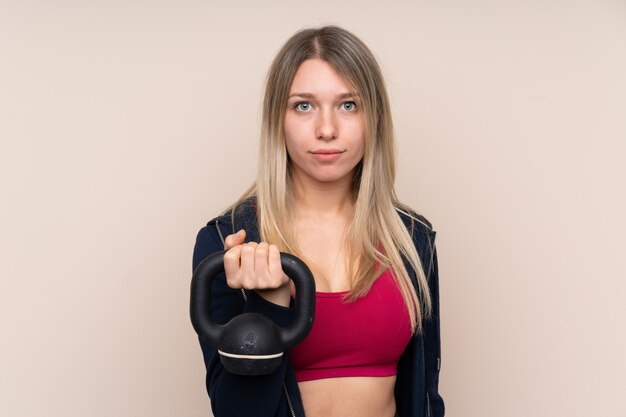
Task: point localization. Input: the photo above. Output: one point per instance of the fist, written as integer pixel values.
(252, 266)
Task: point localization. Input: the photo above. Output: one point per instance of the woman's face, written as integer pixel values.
(324, 125)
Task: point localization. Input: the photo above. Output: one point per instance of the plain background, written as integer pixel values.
(127, 125)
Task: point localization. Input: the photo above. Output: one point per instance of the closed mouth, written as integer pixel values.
(327, 151)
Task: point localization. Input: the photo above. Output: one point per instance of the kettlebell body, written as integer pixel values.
(250, 343)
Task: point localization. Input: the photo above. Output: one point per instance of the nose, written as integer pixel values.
(326, 126)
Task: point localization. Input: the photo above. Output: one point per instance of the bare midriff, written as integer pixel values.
(349, 397)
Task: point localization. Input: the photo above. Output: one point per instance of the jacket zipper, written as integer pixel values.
(427, 405)
(293, 414)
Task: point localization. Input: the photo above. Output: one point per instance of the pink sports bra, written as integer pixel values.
(365, 338)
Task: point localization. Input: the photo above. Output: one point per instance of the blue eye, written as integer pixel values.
(349, 106)
(302, 106)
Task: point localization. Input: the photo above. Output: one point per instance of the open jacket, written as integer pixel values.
(277, 394)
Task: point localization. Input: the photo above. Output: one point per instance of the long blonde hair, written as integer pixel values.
(376, 234)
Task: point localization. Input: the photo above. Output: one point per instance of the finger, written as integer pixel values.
(234, 239)
(274, 265)
(232, 261)
(260, 265)
(246, 272)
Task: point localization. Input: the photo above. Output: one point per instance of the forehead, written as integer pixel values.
(319, 78)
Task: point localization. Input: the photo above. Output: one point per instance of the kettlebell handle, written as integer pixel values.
(290, 336)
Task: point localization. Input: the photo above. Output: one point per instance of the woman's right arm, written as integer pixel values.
(231, 394)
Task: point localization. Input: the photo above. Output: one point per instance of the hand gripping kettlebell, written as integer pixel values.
(251, 344)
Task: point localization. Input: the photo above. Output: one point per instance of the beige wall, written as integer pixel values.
(126, 125)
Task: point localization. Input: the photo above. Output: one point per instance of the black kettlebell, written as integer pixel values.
(251, 344)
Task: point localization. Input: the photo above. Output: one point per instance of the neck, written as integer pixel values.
(320, 199)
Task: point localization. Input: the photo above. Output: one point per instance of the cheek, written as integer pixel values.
(290, 150)
(291, 145)
(289, 138)
(291, 132)
(359, 138)
(288, 133)
(295, 136)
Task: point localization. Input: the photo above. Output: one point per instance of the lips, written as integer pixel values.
(327, 151)
(327, 155)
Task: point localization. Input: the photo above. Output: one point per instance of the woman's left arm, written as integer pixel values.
(432, 339)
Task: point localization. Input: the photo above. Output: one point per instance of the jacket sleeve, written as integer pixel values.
(236, 395)
(432, 339)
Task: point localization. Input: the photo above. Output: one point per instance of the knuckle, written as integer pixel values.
(232, 282)
(247, 249)
(247, 282)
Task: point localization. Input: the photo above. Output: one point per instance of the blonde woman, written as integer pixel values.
(325, 193)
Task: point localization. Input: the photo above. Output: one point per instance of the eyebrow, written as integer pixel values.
(309, 95)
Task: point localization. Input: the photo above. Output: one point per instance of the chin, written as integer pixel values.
(330, 178)
(326, 176)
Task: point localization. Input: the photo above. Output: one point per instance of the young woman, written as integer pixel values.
(325, 193)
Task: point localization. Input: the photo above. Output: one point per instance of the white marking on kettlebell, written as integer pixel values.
(233, 355)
